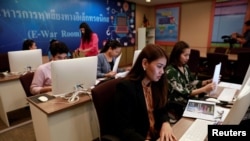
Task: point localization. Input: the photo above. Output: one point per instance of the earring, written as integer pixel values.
(144, 68)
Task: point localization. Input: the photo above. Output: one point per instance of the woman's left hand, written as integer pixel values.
(166, 133)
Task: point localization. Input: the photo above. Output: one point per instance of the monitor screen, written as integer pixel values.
(240, 106)
(121, 21)
(66, 74)
(23, 60)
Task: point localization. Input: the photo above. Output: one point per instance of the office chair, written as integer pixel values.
(241, 66)
(102, 96)
(212, 60)
(26, 80)
(222, 50)
(4, 63)
(194, 61)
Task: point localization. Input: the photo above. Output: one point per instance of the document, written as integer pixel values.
(216, 77)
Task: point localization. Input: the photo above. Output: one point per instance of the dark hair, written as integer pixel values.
(58, 48)
(27, 44)
(53, 41)
(247, 23)
(86, 37)
(151, 52)
(178, 49)
(110, 43)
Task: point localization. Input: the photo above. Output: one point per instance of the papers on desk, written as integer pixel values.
(205, 110)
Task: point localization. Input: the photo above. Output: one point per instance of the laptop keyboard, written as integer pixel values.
(197, 131)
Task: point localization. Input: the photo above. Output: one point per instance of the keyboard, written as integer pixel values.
(197, 131)
(227, 94)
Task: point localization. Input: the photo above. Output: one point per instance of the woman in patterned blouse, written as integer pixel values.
(182, 85)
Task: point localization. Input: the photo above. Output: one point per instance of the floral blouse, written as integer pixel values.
(181, 84)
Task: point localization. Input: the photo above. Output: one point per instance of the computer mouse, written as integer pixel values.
(42, 98)
(212, 100)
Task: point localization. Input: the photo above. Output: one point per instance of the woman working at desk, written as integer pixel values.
(106, 59)
(182, 85)
(140, 100)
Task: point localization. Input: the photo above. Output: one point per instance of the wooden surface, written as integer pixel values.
(58, 104)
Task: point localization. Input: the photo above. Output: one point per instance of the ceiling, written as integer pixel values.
(157, 2)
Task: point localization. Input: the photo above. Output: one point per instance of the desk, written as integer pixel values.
(58, 120)
(12, 96)
(184, 123)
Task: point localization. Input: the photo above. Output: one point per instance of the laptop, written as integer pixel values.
(205, 110)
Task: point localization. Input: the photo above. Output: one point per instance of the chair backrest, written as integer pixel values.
(103, 96)
(194, 61)
(241, 66)
(26, 80)
(4, 62)
(215, 58)
(222, 50)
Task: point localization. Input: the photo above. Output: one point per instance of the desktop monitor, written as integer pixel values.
(21, 61)
(116, 64)
(240, 106)
(136, 54)
(247, 76)
(65, 74)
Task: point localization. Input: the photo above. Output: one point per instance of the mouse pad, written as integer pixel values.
(35, 97)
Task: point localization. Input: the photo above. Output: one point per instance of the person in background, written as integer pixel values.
(106, 59)
(49, 53)
(41, 82)
(89, 41)
(29, 44)
(182, 85)
(244, 39)
(141, 99)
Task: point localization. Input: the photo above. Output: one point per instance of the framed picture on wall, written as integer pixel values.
(167, 24)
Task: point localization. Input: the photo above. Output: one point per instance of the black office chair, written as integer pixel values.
(4, 63)
(194, 61)
(212, 60)
(222, 50)
(102, 96)
(26, 80)
(241, 66)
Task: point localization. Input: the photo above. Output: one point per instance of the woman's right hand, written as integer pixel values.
(209, 87)
(111, 74)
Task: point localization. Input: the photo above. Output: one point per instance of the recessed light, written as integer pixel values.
(148, 0)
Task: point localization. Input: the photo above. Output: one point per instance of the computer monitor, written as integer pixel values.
(247, 76)
(23, 60)
(116, 64)
(65, 74)
(240, 106)
(136, 54)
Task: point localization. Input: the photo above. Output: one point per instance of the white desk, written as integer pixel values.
(12, 96)
(58, 120)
